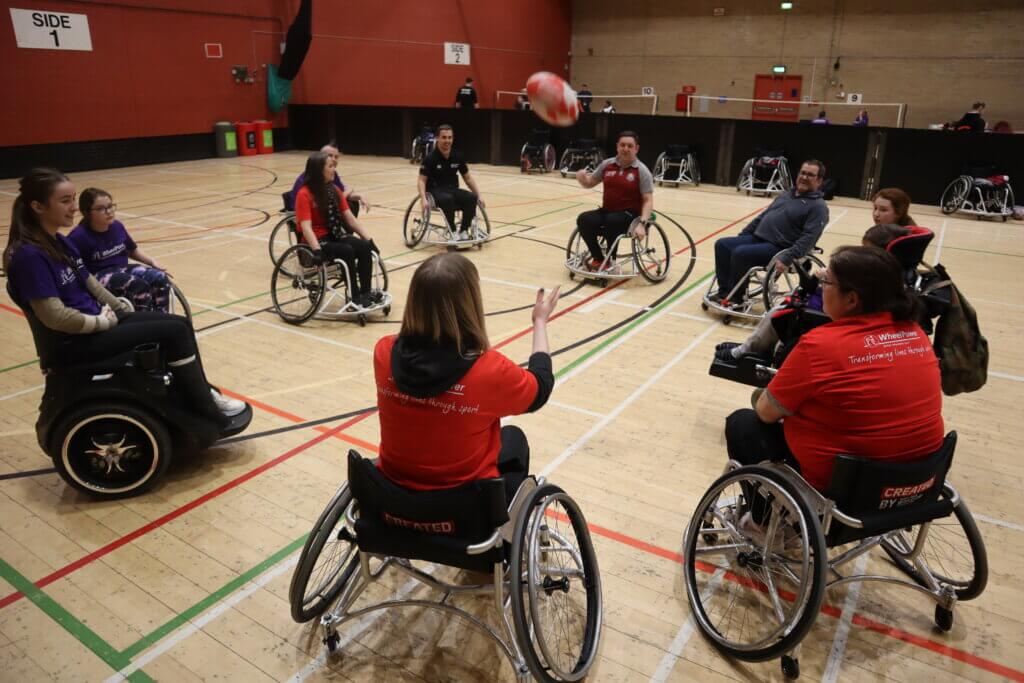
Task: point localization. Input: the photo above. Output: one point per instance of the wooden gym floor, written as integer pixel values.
(189, 582)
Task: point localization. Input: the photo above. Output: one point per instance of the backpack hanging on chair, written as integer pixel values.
(958, 342)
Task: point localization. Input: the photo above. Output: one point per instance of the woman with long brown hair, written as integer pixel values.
(442, 389)
(891, 205)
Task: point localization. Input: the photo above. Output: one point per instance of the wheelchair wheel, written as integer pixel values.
(283, 235)
(177, 304)
(954, 553)
(549, 157)
(483, 224)
(1004, 201)
(744, 177)
(754, 596)
(777, 286)
(576, 252)
(110, 450)
(297, 285)
(327, 563)
(652, 255)
(659, 169)
(695, 170)
(556, 587)
(955, 194)
(414, 231)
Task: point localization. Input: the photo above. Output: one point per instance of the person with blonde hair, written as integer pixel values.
(442, 389)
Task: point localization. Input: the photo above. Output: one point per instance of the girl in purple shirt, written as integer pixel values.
(105, 247)
(74, 319)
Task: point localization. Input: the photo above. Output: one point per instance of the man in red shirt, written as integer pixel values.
(628, 193)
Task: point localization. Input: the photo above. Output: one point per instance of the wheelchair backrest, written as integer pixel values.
(539, 138)
(585, 144)
(909, 249)
(432, 525)
(769, 152)
(677, 151)
(980, 170)
(887, 495)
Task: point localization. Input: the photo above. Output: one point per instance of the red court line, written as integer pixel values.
(12, 309)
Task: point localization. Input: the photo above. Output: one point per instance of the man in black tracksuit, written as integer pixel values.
(439, 175)
(465, 98)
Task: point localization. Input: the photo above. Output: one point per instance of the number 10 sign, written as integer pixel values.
(49, 30)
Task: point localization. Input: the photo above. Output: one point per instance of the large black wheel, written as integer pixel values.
(416, 223)
(777, 286)
(111, 450)
(954, 553)
(327, 563)
(555, 587)
(483, 223)
(744, 180)
(695, 170)
(659, 168)
(177, 304)
(955, 194)
(284, 235)
(297, 285)
(652, 255)
(576, 252)
(549, 157)
(755, 591)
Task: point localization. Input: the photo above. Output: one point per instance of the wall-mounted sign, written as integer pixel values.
(718, 11)
(456, 53)
(49, 30)
(854, 98)
(647, 90)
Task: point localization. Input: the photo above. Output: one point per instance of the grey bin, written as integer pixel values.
(227, 139)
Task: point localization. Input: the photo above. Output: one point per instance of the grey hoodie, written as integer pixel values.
(791, 222)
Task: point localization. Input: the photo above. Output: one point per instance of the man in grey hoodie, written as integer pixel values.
(789, 227)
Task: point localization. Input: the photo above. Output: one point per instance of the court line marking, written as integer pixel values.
(998, 522)
(678, 644)
(942, 238)
(835, 655)
(1003, 375)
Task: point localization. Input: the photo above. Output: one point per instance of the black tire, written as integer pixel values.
(695, 170)
(413, 232)
(281, 237)
(719, 513)
(483, 227)
(526, 610)
(943, 618)
(136, 445)
(944, 540)
(177, 304)
(955, 194)
(340, 563)
(776, 286)
(744, 173)
(296, 297)
(659, 168)
(549, 157)
(652, 256)
(574, 246)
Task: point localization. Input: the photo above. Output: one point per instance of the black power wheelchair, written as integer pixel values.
(533, 541)
(538, 154)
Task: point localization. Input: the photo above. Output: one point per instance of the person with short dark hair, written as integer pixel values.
(628, 194)
(466, 98)
(972, 121)
(608, 107)
(585, 98)
(822, 119)
(789, 227)
(439, 175)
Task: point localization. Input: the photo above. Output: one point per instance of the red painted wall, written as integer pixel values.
(147, 74)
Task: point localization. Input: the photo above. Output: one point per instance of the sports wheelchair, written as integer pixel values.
(649, 257)
(422, 145)
(538, 154)
(546, 585)
(677, 165)
(767, 172)
(979, 191)
(583, 154)
(756, 594)
(113, 426)
(302, 286)
(422, 225)
(766, 288)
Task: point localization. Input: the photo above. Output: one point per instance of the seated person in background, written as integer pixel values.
(822, 118)
(439, 175)
(628, 194)
(764, 338)
(328, 225)
(861, 118)
(522, 102)
(442, 390)
(608, 108)
(1002, 127)
(865, 384)
(972, 121)
(789, 227)
(891, 205)
(106, 246)
(355, 201)
(82, 321)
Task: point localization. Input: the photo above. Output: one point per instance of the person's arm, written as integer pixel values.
(103, 295)
(814, 225)
(539, 364)
(768, 409)
(471, 184)
(52, 312)
(791, 386)
(589, 180)
(421, 187)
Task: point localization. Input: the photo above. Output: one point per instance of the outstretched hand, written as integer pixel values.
(545, 305)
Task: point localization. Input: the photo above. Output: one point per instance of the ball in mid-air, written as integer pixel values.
(552, 99)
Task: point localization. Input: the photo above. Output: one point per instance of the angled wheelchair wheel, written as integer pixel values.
(297, 285)
(177, 304)
(955, 194)
(327, 562)
(282, 236)
(755, 592)
(111, 449)
(953, 553)
(652, 255)
(695, 170)
(777, 286)
(556, 587)
(743, 181)
(415, 224)
(483, 224)
(659, 169)
(576, 252)
(549, 157)
(1004, 201)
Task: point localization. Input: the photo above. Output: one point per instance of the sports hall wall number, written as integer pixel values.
(49, 30)
(456, 53)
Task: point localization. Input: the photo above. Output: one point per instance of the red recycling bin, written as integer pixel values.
(247, 138)
(265, 137)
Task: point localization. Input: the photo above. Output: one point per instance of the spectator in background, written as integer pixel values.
(1002, 127)
(862, 118)
(466, 98)
(584, 97)
(972, 121)
(522, 102)
(822, 119)
(608, 108)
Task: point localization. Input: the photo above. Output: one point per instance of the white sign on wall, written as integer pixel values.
(49, 30)
(647, 90)
(456, 53)
(854, 98)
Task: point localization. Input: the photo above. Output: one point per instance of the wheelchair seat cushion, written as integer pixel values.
(434, 526)
(887, 495)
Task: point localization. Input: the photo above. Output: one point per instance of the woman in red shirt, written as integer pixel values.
(866, 384)
(442, 390)
(334, 230)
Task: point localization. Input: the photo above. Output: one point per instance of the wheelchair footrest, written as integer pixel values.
(743, 370)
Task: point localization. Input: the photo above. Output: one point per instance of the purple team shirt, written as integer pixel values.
(35, 275)
(101, 250)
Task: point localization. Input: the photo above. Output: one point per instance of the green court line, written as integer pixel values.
(20, 365)
(195, 610)
(69, 623)
(230, 303)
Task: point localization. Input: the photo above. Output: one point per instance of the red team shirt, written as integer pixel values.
(624, 186)
(861, 385)
(307, 210)
(454, 437)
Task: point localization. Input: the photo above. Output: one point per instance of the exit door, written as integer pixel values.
(784, 92)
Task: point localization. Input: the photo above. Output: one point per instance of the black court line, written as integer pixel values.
(27, 473)
(291, 428)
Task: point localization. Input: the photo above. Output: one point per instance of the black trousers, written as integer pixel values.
(750, 441)
(173, 333)
(451, 199)
(607, 224)
(513, 459)
(357, 255)
(354, 208)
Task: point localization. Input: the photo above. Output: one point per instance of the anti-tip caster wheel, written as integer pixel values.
(943, 618)
(386, 310)
(332, 642)
(362, 320)
(790, 667)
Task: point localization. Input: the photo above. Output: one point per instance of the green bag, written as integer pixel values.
(279, 90)
(958, 343)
